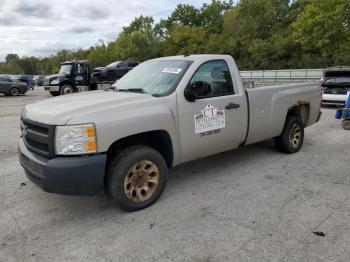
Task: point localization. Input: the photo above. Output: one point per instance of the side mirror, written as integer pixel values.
(197, 90)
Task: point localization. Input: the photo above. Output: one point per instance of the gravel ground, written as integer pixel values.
(250, 204)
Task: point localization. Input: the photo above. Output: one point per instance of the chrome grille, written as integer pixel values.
(38, 137)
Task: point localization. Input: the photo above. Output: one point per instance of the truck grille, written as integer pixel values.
(38, 137)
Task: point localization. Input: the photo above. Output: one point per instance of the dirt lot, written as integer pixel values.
(251, 204)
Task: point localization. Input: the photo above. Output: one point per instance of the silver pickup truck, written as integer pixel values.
(165, 112)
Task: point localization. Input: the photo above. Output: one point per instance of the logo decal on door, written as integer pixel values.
(210, 118)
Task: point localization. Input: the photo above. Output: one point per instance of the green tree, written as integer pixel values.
(186, 40)
(324, 26)
(10, 57)
(138, 41)
(212, 15)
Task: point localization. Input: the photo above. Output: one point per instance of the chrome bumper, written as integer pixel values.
(52, 88)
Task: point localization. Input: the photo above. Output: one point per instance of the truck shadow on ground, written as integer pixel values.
(218, 164)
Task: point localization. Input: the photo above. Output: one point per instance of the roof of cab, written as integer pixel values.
(75, 62)
(194, 57)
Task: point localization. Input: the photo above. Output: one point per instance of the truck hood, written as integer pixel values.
(59, 110)
(51, 77)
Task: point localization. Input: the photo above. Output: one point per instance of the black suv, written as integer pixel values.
(113, 71)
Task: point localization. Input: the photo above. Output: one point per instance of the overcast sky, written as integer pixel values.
(41, 27)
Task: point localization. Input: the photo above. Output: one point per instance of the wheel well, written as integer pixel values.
(66, 83)
(302, 110)
(159, 140)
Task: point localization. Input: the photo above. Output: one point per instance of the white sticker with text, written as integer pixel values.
(172, 70)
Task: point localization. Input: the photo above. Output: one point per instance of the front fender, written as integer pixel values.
(117, 122)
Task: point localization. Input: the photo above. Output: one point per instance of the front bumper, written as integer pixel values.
(78, 175)
(52, 88)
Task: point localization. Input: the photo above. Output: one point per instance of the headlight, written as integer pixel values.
(54, 82)
(75, 139)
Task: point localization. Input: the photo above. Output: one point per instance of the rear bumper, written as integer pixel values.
(330, 99)
(319, 116)
(52, 88)
(81, 175)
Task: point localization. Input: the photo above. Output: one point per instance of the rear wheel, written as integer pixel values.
(54, 93)
(346, 124)
(66, 90)
(14, 91)
(136, 177)
(292, 137)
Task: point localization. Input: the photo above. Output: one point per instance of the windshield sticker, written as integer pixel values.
(171, 70)
(209, 119)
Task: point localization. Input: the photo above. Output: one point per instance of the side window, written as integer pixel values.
(217, 75)
(4, 79)
(80, 68)
(133, 64)
(123, 64)
(77, 68)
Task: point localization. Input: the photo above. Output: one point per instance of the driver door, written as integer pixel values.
(81, 75)
(213, 123)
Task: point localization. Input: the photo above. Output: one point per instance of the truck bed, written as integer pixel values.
(268, 106)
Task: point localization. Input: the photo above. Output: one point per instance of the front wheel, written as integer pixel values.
(66, 90)
(14, 91)
(136, 177)
(292, 137)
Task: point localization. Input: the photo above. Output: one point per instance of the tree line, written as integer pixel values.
(259, 34)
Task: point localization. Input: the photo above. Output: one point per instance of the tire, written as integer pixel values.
(136, 178)
(346, 124)
(14, 91)
(54, 93)
(66, 90)
(292, 137)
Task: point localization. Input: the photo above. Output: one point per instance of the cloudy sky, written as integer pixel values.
(41, 27)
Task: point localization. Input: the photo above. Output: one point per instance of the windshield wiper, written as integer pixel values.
(135, 90)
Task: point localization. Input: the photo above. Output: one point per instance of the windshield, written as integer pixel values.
(155, 77)
(113, 64)
(65, 69)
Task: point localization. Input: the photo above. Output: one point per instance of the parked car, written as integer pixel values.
(28, 79)
(10, 86)
(40, 80)
(113, 71)
(336, 84)
(165, 112)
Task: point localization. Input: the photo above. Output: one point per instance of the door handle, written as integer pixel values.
(232, 106)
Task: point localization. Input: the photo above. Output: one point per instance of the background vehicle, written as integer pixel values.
(113, 71)
(26, 79)
(165, 112)
(75, 76)
(40, 80)
(336, 84)
(10, 86)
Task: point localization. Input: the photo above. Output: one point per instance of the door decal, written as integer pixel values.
(210, 118)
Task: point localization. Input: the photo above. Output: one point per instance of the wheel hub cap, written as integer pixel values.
(295, 135)
(141, 181)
